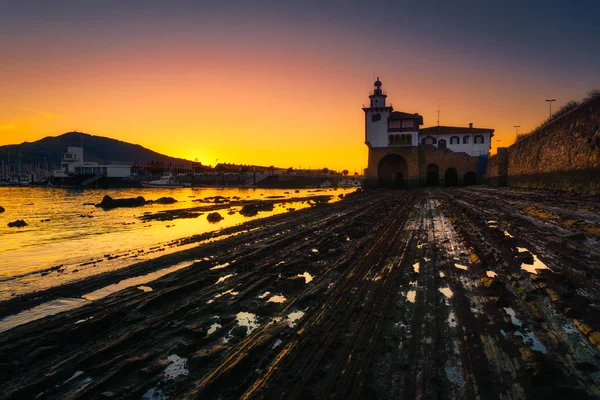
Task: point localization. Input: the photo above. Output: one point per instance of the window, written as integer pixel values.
(375, 117)
(454, 140)
(465, 140)
(478, 139)
(408, 123)
(406, 139)
(442, 144)
(395, 124)
(429, 140)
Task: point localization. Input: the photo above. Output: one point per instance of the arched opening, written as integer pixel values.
(392, 171)
(433, 175)
(442, 144)
(470, 178)
(451, 177)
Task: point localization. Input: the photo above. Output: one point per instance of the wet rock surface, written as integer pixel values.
(109, 203)
(162, 200)
(214, 217)
(457, 293)
(17, 224)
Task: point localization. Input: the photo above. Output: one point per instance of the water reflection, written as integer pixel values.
(66, 231)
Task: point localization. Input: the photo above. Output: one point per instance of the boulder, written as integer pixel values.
(1, 209)
(17, 224)
(250, 210)
(214, 217)
(109, 203)
(163, 200)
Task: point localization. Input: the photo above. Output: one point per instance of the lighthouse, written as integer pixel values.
(376, 117)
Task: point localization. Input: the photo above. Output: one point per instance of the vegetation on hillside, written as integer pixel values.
(563, 110)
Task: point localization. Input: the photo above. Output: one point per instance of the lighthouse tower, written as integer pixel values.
(376, 118)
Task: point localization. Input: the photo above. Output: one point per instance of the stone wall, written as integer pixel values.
(417, 159)
(564, 155)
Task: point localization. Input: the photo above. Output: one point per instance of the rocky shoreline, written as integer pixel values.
(458, 293)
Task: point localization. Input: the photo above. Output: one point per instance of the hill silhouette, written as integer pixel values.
(95, 148)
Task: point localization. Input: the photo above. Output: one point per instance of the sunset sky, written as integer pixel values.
(275, 83)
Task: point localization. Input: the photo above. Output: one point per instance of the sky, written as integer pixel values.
(277, 83)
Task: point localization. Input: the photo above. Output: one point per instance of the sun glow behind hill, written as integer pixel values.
(259, 85)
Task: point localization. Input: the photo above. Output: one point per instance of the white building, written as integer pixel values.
(401, 154)
(473, 141)
(72, 164)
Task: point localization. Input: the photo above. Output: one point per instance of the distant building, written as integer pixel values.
(72, 164)
(401, 154)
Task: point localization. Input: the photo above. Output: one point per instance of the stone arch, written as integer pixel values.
(433, 175)
(392, 171)
(451, 177)
(470, 178)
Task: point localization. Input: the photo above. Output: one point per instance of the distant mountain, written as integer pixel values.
(95, 148)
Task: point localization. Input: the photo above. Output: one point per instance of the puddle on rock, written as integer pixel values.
(442, 275)
(265, 294)
(452, 320)
(177, 367)
(294, 317)
(491, 274)
(220, 266)
(138, 280)
(460, 266)
(248, 320)
(537, 264)
(508, 234)
(75, 375)
(43, 310)
(145, 288)
(213, 328)
(513, 317)
(307, 277)
(277, 343)
(223, 278)
(446, 291)
(155, 394)
(277, 299)
(411, 295)
(230, 291)
(416, 267)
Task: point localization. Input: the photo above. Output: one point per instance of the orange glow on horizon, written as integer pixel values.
(259, 104)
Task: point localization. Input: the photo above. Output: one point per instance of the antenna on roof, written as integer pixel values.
(438, 113)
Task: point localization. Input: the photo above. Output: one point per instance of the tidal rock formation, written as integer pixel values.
(108, 203)
(17, 224)
(214, 217)
(162, 200)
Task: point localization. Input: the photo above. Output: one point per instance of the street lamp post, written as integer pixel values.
(550, 101)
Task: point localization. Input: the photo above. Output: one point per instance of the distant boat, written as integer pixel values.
(166, 181)
(349, 183)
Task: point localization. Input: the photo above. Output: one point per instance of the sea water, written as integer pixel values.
(65, 230)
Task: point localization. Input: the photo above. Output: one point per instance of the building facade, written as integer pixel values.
(402, 154)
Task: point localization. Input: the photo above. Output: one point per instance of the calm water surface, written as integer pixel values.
(65, 229)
